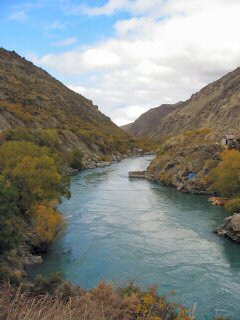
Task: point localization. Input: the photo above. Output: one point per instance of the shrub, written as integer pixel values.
(225, 178)
(48, 223)
(76, 159)
(9, 220)
(233, 206)
(106, 158)
(43, 285)
(31, 187)
(47, 137)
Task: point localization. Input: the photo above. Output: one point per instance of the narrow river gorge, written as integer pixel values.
(123, 229)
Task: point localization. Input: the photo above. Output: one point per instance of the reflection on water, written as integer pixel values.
(121, 229)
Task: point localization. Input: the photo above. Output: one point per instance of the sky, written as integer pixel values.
(126, 55)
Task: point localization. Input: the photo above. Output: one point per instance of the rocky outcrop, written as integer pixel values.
(94, 162)
(185, 161)
(231, 228)
(216, 106)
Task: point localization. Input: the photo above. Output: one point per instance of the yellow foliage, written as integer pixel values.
(48, 222)
(184, 315)
(155, 307)
(226, 177)
(12, 153)
(39, 177)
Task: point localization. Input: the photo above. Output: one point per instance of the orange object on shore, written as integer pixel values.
(217, 201)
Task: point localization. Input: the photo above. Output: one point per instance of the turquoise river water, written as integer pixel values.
(123, 229)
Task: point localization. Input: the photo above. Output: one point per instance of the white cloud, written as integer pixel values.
(166, 52)
(78, 89)
(20, 15)
(135, 7)
(66, 42)
(55, 25)
(155, 7)
(21, 12)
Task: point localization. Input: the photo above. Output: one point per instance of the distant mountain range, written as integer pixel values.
(216, 106)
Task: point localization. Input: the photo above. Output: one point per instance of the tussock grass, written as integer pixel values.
(52, 300)
(101, 303)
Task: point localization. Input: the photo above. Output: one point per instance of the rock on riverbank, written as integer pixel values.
(93, 161)
(231, 228)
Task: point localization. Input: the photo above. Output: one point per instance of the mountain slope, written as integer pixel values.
(30, 97)
(146, 124)
(216, 106)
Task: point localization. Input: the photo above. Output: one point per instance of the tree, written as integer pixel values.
(34, 171)
(9, 216)
(48, 223)
(76, 159)
(13, 152)
(225, 178)
(32, 186)
(39, 180)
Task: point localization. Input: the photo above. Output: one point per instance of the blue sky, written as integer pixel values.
(37, 26)
(126, 55)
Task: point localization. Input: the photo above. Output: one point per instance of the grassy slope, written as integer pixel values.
(30, 97)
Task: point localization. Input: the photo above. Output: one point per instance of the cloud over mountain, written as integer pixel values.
(161, 53)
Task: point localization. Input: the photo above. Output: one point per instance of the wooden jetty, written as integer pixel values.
(137, 174)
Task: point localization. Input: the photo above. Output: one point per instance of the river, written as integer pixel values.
(123, 229)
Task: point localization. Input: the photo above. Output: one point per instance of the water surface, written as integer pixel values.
(121, 229)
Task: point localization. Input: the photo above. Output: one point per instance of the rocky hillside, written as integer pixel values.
(217, 106)
(146, 124)
(185, 161)
(31, 98)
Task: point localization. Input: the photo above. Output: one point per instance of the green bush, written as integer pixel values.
(49, 285)
(9, 216)
(225, 178)
(76, 159)
(31, 186)
(233, 206)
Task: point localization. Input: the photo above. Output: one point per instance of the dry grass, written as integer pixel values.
(69, 302)
(101, 303)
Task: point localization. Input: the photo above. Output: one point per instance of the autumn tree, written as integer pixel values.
(39, 180)
(13, 152)
(33, 185)
(225, 178)
(48, 224)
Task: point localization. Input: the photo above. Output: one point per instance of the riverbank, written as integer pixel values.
(94, 162)
(185, 161)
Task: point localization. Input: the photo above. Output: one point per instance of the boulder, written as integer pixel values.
(231, 228)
